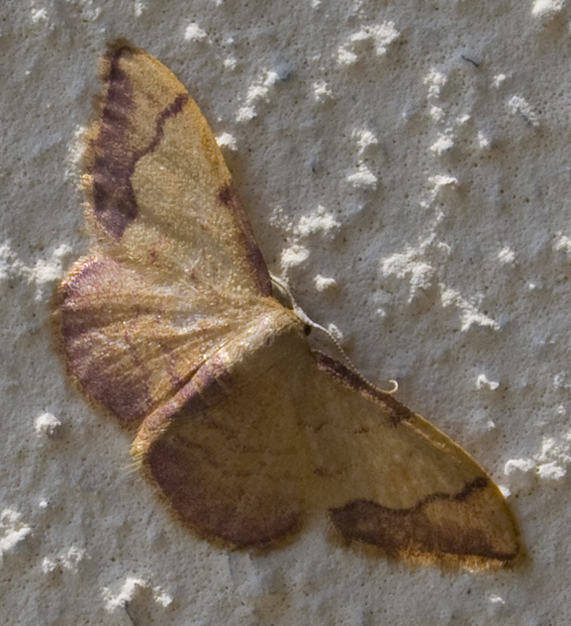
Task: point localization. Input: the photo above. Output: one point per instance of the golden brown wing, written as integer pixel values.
(160, 192)
(174, 268)
(265, 435)
(394, 481)
(228, 452)
(131, 340)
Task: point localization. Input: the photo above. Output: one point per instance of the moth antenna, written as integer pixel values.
(305, 318)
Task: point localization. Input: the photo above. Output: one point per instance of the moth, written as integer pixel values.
(246, 433)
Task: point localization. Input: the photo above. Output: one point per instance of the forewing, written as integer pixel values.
(392, 480)
(160, 192)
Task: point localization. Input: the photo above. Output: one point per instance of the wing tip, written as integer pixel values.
(472, 530)
(111, 202)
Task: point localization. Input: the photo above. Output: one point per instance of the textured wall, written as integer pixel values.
(405, 168)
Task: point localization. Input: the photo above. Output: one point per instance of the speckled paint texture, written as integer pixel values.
(405, 168)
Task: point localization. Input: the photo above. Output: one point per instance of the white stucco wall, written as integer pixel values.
(405, 167)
